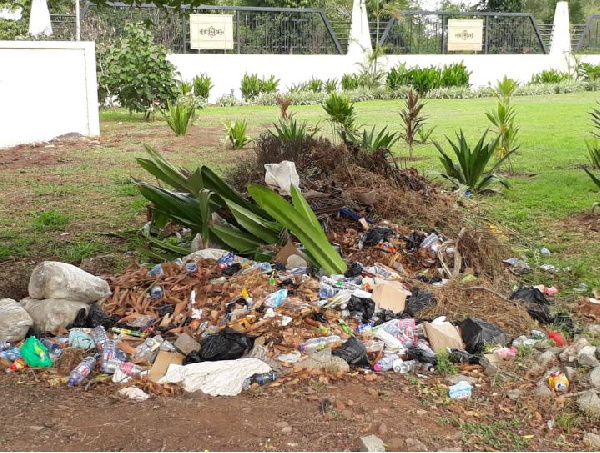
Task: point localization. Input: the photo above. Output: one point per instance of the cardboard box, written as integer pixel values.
(443, 335)
(390, 295)
(162, 362)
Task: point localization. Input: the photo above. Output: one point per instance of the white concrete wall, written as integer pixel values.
(47, 89)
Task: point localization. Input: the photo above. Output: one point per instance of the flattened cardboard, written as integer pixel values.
(442, 336)
(390, 295)
(162, 362)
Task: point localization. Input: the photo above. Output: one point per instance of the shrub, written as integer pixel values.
(340, 111)
(202, 85)
(455, 75)
(397, 77)
(371, 142)
(298, 88)
(331, 85)
(315, 85)
(503, 118)
(590, 72)
(290, 130)
(350, 82)
(236, 134)
(270, 85)
(550, 76)
(137, 72)
(471, 170)
(250, 86)
(424, 80)
(180, 114)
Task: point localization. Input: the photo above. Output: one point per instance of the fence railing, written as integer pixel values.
(426, 32)
(63, 27)
(255, 30)
(546, 33)
(589, 40)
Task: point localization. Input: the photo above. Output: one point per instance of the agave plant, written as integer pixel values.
(235, 133)
(180, 115)
(243, 227)
(289, 130)
(202, 85)
(471, 169)
(370, 141)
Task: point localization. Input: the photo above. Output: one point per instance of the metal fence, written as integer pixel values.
(589, 42)
(63, 27)
(426, 32)
(256, 30)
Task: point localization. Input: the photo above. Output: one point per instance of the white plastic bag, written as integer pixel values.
(53, 280)
(282, 175)
(14, 321)
(49, 315)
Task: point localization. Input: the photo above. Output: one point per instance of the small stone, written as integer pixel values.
(570, 373)
(570, 354)
(456, 378)
(416, 445)
(287, 430)
(594, 329)
(295, 261)
(458, 435)
(382, 430)
(587, 357)
(373, 392)
(396, 444)
(347, 413)
(186, 344)
(371, 444)
(589, 404)
(339, 405)
(282, 425)
(422, 412)
(542, 390)
(514, 394)
(592, 440)
(545, 359)
(595, 377)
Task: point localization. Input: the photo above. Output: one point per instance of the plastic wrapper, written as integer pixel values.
(14, 321)
(282, 175)
(477, 334)
(53, 280)
(402, 329)
(228, 345)
(353, 352)
(376, 235)
(354, 270)
(97, 317)
(35, 353)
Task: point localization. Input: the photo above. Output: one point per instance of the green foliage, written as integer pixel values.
(471, 169)
(454, 75)
(425, 79)
(550, 76)
(290, 130)
(301, 221)
(412, 121)
(137, 72)
(180, 114)
(398, 77)
(340, 111)
(445, 365)
(331, 85)
(593, 146)
(503, 118)
(315, 85)
(350, 82)
(424, 134)
(202, 85)
(590, 72)
(185, 88)
(236, 134)
(371, 142)
(252, 86)
(50, 220)
(370, 74)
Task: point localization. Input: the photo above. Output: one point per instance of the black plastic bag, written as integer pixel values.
(97, 317)
(80, 320)
(232, 269)
(376, 235)
(564, 322)
(361, 307)
(421, 355)
(418, 301)
(354, 270)
(538, 306)
(353, 352)
(228, 345)
(477, 333)
(462, 356)
(414, 240)
(192, 357)
(430, 280)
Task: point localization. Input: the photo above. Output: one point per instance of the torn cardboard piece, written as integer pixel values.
(162, 363)
(391, 295)
(443, 335)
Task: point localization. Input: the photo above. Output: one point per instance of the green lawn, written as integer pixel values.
(84, 190)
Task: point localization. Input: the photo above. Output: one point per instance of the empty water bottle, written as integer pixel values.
(386, 363)
(260, 379)
(54, 349)
(109, 355)
(402, 367)
(82, 370)
(130, 369)
(99, 336)
(314, 344)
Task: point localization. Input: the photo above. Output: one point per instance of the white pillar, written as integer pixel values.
(561, 37)
(360, 36)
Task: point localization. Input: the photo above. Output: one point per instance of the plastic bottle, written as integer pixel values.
(130, 369)
(5, 345)
(99, 336)
(391, 342)
(54, 349)
(260, 379)
(314, 344)
(386, 363)
(11, 354)
(82, 370)
(402, 367)
(109, 356)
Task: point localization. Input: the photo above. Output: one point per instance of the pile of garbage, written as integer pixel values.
(220, 323)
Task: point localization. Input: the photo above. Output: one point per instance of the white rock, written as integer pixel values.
(587, 357)
(595, 377)
(592, 440)
(371, 444)
(14, 321)
(570, 353)
(49, 315)
(589, 404)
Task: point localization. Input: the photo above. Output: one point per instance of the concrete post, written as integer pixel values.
(560, 46)
(360, 36)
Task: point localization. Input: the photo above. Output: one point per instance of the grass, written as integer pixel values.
(87, 191)
(499, 435)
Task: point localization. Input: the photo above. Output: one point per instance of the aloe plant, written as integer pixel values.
(235, 132)
(180, 115)
(301, 221)
(370, 141)
(471, 169)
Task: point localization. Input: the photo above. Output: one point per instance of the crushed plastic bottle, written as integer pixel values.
(54, 349)
(315, 344)
(386, 363)
(404, 367)
(260, 379)
(99, 336)
(148, 349)
(109, 356)
(82, 370)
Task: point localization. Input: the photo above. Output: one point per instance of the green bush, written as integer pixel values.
(550, 76)
(397, 77)
(340, 110)
(315, 85)
(455, 75)
(236, 134)
(590, 72)
(136, 72)
(350, 82)
(270, 85)
(202, 86)
(180, 114)
(253, 86)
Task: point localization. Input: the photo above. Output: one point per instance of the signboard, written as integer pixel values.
(211, 31)
(465, 34)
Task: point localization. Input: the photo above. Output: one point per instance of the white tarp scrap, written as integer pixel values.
(222, 378)
(39, 20)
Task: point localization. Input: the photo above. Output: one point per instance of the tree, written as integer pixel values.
(501, 6)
